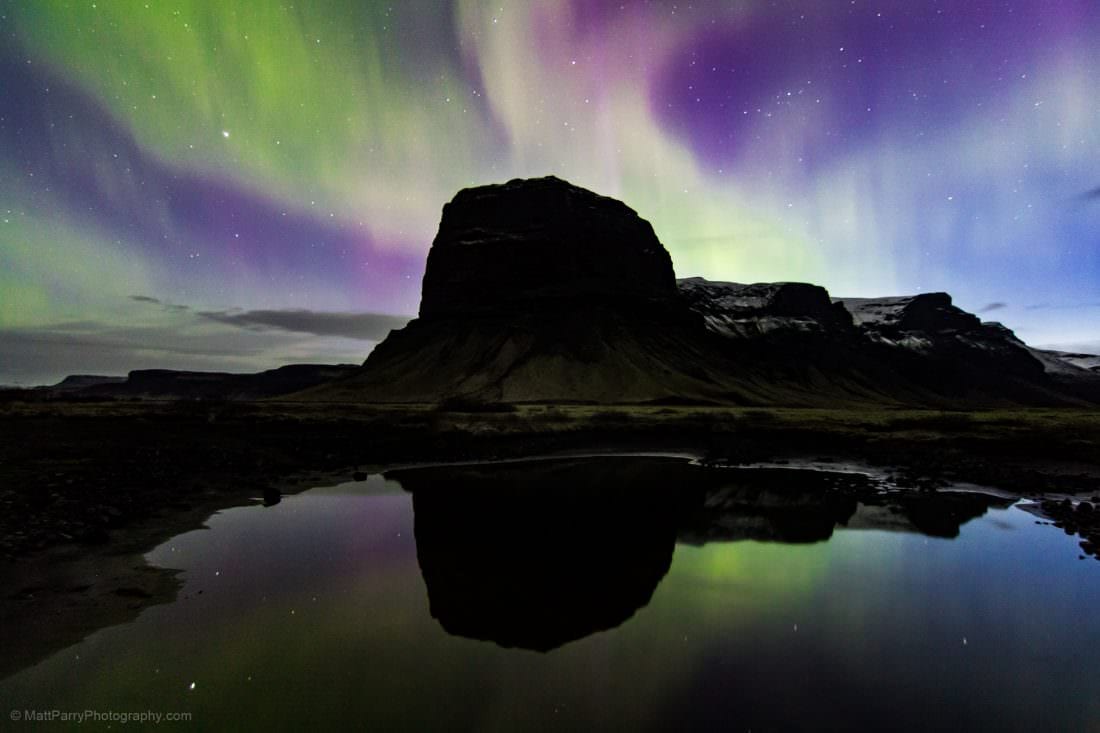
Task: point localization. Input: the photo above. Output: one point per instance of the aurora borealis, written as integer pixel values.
(240, 185)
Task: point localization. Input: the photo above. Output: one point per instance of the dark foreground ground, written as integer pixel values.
(86, 488)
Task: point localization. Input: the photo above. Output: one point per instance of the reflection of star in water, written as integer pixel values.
(225, 133)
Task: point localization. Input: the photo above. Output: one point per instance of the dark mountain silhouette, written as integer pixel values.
(167, 384)
(537, 290)
(78, 382)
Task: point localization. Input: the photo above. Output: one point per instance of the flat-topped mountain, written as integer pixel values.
(171, 384)
(537, 290)
(526, 242)
(77, 382)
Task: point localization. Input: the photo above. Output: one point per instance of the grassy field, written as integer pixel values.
(78, 471)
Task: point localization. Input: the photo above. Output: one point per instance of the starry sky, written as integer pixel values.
(210, 184)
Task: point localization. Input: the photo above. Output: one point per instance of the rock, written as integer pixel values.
(538, 290)
(131, 592)
(537, 239)
(94, 536)
(923, 312)
(733, 309)
(958, 344)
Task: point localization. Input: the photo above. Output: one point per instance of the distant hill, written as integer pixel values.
(167, 384)
(77, 382)
(537, 290)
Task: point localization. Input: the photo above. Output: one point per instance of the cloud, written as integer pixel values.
(284, 323)
(1062, 306)
(993, 307)
(157, 301)
(362, 326)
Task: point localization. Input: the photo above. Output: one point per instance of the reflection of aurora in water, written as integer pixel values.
(315, 611)
(535, 555)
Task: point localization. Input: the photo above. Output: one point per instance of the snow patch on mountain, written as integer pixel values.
(1066, 363)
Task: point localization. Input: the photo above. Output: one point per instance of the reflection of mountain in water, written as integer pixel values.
(537, 557)
(538, 554)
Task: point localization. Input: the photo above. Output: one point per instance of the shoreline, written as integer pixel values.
(58, 597)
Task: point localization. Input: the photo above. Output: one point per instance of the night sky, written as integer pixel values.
(239, 185)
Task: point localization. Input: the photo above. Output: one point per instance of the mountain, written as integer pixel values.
(78, 382)
(537, 290)
(1064, 362)
(928, 337)
(167, 384)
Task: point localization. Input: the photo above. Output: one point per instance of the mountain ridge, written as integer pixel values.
(572, 323)
(536, 290)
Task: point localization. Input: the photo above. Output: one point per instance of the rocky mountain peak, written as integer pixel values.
(733, 308)
(921, 312)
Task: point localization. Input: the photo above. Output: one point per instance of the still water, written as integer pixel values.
(625, 593)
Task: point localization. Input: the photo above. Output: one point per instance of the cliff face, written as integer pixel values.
(530, 241)
(917, 349)
(745, 311)
(537, 290)
(923, 312)
(927, 334)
